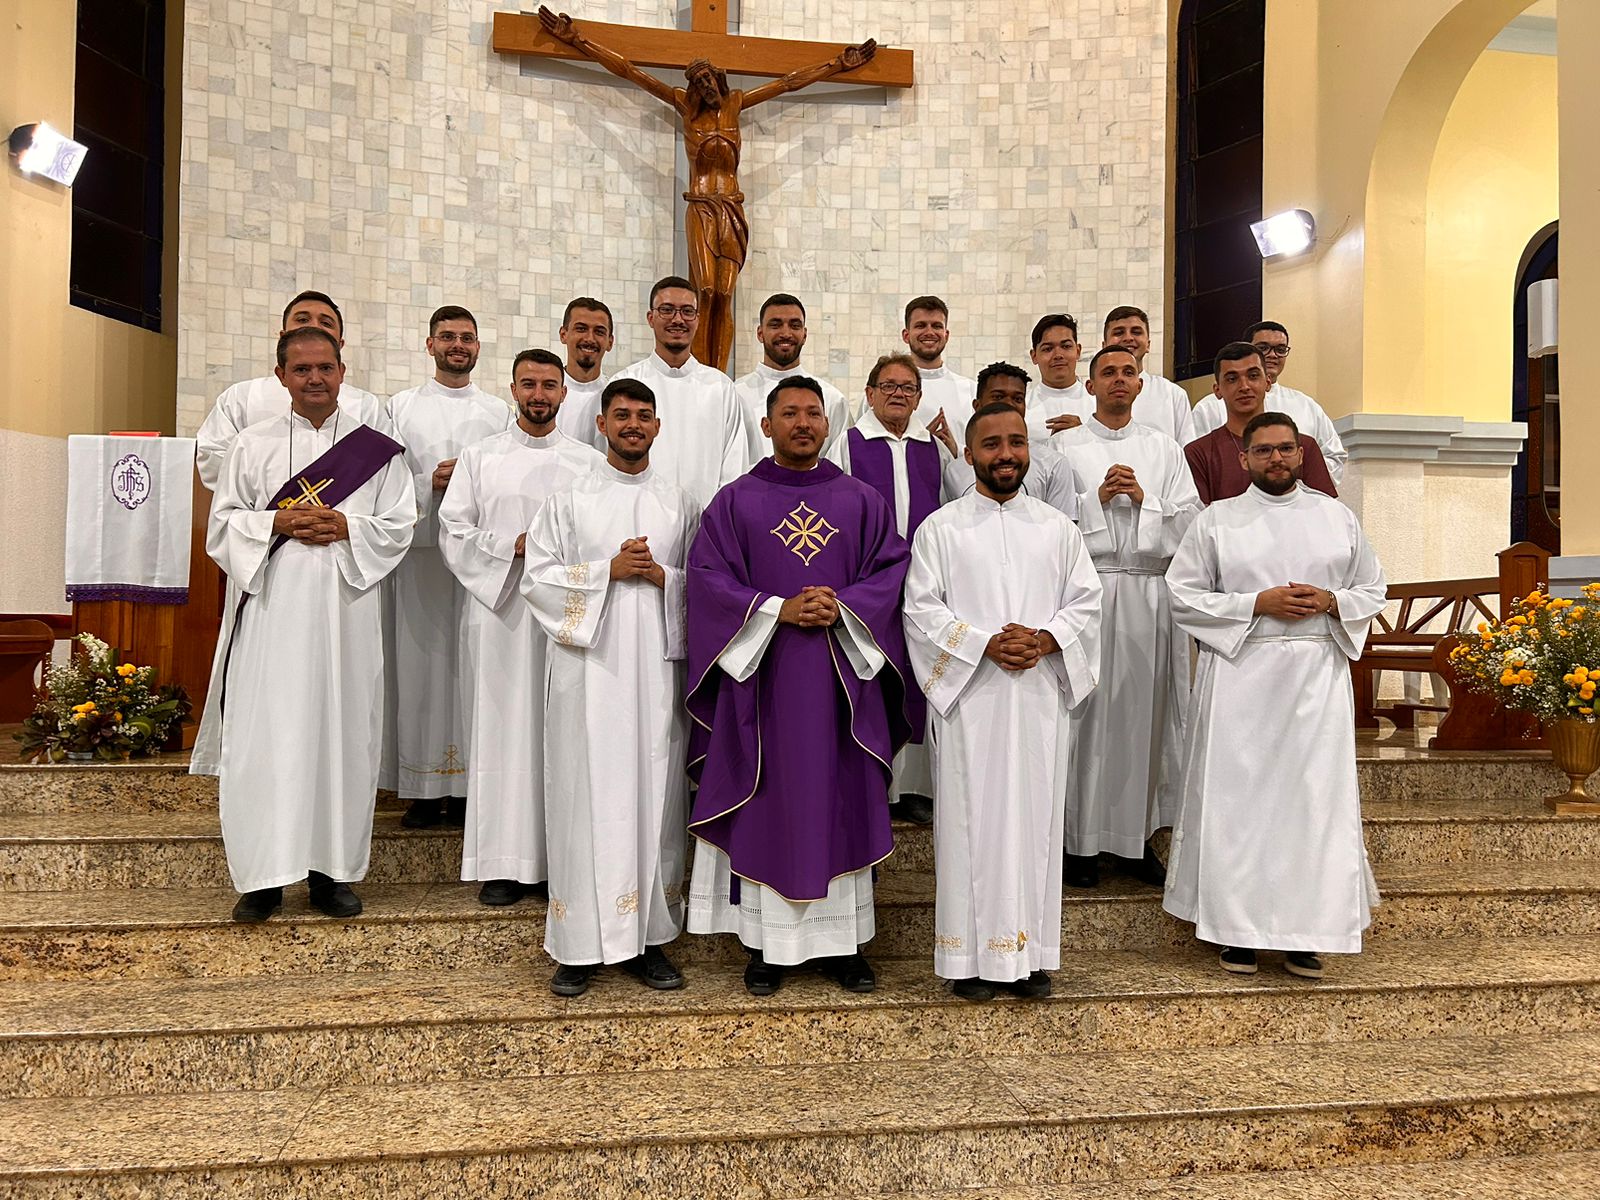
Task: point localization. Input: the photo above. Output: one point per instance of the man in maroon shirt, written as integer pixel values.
(1217, 460)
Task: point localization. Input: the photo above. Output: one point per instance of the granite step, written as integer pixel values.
(1566, 1176)
(93, 851)
(1025, 1118)
(164, 784)
(184, 932)
(336, 1030)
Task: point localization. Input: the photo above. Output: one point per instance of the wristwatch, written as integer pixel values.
(1333, 604)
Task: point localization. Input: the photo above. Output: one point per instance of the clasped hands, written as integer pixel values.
(1293, 602)
(313, 524)
(1121, 481)
(633, 561)
(1020, 648)
(814, 607)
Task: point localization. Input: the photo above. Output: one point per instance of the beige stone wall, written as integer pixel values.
(381, 150)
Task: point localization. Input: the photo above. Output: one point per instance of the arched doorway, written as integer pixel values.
(1536, 399)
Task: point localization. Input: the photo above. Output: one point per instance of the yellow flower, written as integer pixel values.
(1588, 712)
(127, 669)
(1507, 678)
(1482, 628)
(1580, 673)
(1586, 692)
(1527, 678)
(117, 717)
(1518, 620)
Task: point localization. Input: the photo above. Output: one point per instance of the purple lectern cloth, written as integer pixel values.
(794, 763)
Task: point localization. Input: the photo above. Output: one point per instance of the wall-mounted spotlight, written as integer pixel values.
(39, 150)
(1287, 233)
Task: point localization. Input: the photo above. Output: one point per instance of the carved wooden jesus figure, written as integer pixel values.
(716, 229)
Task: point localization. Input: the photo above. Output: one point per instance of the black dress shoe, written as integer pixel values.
(762, 978)
(1303, 964)
(912, 807)
(254, 907)
(455, 812)
(1035, 987)
(572, 981)
(499, 892)
(331, 898)
(539, 891)
(1080, 870)
(977, 990)
(1148, 869)
(422, 814)
(654, 969)
(852, 972)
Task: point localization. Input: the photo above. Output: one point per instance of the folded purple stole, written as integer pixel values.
(872, 462)
(326, 483)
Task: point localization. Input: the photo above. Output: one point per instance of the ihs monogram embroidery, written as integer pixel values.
(805, 532)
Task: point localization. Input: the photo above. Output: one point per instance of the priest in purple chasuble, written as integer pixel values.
(891, 449)
(797, 687)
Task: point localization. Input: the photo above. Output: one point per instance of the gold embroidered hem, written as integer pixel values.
(1010, 945)
(628, 904)
(572, 612)
(558, 909)
(946, 941)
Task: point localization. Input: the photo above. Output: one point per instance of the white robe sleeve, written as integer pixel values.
(380, 539)
(838, 413)
(1219, 620)
(858, 644)
(736, 442)
(945, 651)
(215, 435)
(838, 453)
(1165, 517)
(740, 657)
(1059, 491)
(1091, 515)
(238, 534)
(483, 561)
(568, 598)
(674, 606)
(1363, 596)
(1206, 415)
(1076, 627)
(1328, 441)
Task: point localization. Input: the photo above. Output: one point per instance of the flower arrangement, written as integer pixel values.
(1543, 659)
(95, 705)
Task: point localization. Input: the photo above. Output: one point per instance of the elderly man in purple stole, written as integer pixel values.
(892, 450)
(797, 669)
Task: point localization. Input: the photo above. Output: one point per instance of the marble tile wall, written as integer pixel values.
(379, 150)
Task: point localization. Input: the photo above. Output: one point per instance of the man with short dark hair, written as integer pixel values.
(435, 422)
(588, 332)
(1048, 476)
(1278, 585)
(252, 400)
(1217, 460)
(703, 442)
(927, 335)
(1161, 404)
(312, 510)
(1002, 615)
(1135, 502)
(497, 487)
(605, 580)
(797, 689)
(1058, 401)
(781, 332)
(1271, 341)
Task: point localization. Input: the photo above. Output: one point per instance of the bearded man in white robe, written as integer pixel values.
(1136, 499)
(587, 334)
(495, 491)
(927, 336)
(781, 333)
(604, 578)
(435, 422)
(1002, 608)
(1048, 477)
(1278, 585)
(311, 512)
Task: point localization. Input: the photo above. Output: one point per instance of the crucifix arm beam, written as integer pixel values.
(522, 33)
(798, 80)
(565, 30)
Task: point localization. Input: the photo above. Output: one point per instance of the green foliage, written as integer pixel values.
(97, 704)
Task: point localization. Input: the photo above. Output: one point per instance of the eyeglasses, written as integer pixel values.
(898, 389)
(450, 339)
(1267, 351)
(667, 311)
(1268, 453)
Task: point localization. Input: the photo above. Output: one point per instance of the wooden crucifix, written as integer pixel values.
(716, 229)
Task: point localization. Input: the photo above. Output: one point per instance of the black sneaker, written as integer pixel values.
(1303, 964)
(762, 978)
(571, 981)
(422, 814)
(1080, 870)
(332, 898)
(455, 812)
(1240, 962)
(852, 972)
(913, 808)
(539, 891)
(977, 990)
(499, 892)
(1035, 987)
(654, 969)
(255, 907)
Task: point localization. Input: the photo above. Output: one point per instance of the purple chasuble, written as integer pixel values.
(794, 763)
(872, 462)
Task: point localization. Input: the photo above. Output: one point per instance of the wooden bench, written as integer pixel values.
(1406, 643)
(26, 642)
